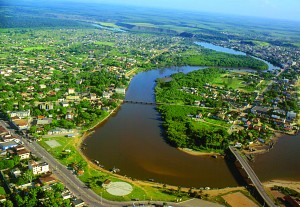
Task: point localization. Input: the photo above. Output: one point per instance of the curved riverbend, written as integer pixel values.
(132, 141)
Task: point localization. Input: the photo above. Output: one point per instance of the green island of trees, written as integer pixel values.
(199, 114)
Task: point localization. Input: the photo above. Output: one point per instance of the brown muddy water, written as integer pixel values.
(132, 141)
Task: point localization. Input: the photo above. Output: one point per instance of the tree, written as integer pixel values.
(58, 187)
(28, 175)
(8, 203)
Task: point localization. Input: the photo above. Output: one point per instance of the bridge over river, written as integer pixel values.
(253, 177)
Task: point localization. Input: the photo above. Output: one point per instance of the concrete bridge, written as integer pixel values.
(141, 102)
(253, 177)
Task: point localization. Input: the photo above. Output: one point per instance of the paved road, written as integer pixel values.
(255, 180)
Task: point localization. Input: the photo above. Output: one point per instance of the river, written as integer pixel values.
(132, 141)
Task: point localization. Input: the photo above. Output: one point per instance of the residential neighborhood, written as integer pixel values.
(21, 170)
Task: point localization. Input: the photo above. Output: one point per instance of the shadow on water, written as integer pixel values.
(230, 162)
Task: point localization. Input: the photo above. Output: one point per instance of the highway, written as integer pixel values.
(253, 177)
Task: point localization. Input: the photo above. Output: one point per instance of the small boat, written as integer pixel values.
(115, 170)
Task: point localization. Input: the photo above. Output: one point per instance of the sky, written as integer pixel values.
(278, 9)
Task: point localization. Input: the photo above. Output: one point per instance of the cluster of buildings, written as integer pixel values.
(258, 110)
(12, 147)
(286, 56)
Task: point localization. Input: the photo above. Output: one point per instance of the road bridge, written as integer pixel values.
(253, 177)
(141, 102)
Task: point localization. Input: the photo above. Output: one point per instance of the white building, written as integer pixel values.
(291, 115)
(120, 91)
(21, 114)
(23, 154)
(38, 168)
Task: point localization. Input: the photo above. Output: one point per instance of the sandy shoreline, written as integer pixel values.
(197, 153)
(295, 185)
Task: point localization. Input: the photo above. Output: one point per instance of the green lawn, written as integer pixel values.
(2, 191)
(66, 144)
(35, 48)
(261, 43)
(226, 79)
(108, 24)
(105, 43)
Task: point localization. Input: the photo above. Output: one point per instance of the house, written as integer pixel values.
(38, 167)
(16, 172)
(21, 114)
(69, 116)
(47, 180)
(23, 154)
(64, 104)
(46, 106)
(77, 203)
(73, 98)
(71, 91)
(106, 95)
(197, 103)
(291, 115)
(43, 86)
(120, 90)
(66, 194)
(3, 131)
(21, 124)
(93, 96)
(259, 110)
(8, 145)
(8, 138)
(60, 131)
(43, 121)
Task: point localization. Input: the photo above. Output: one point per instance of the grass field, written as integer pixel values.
(35, 48)
(261, 43)
(105, 43)
(109, 24)
(2, 191)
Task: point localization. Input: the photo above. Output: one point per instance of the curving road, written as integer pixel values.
(253, 177)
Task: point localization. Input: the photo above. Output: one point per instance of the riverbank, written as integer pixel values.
(295, 185)
(90, 131)
(198, 153)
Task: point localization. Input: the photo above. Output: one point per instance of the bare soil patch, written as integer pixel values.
(238, 200)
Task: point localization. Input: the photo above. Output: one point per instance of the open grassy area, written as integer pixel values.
(2, 191)
(105, 43)
(226, 79)
(109, 24)
(261, 43)
(58, 152)
(235, 81)
(35, 48)
(144, 24)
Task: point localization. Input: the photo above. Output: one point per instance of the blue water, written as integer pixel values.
(231, 51)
